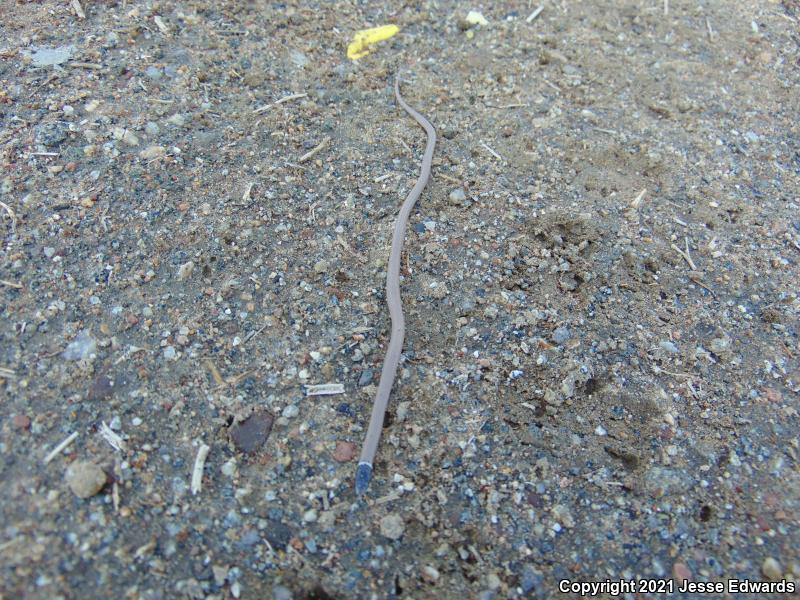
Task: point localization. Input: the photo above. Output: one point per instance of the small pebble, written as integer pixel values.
(681, 572)
(430, 574)
(310, 516)
(771, 569)
(249, 435)
(392, 526)
(290, 411)
(22, 421)
(344, 452)
(668, 346)
(366, 377)
(152, 152)
(457, 197)
(280, 592)
(560, 335)
(85, 478)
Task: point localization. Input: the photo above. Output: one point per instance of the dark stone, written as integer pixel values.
(278, 534)
(102, 388)
(249, 435)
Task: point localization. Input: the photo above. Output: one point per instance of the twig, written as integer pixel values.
(492, 152)
(55, 451)
(76, 6)
(710, 30)
(312, 153)
(325, 389)
(704, 286)
(513, 105)
(85, 65)
(534, 14)
(197, 472)
(666, 8)
(685, 254)
(253, 334)
(261, 109)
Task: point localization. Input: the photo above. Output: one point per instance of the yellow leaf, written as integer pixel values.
(359, 46)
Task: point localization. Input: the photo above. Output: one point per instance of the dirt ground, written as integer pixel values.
(600, 375)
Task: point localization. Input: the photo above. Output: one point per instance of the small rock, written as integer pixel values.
(152, 152)
(125, 135)
(153, 73)
(668, 346)
(344, 452)
(771, 569)
(280, 592)
(22, 421)
(681, 572)
(457, 197)
(475, 18)
(48, 57)
(321, 267)
(85, 478)
(185, 270)
(560, 335)
(249, 435)
(229, 468)
(220, 574)
(430, 574)
(177, 119)
(366, 377)
(152, 129)
(310, 516)
(82, 347)
(600, 430)
(102, 388)
(290, 412)
(392, 526)
(170, 353)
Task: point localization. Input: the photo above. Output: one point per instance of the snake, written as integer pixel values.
(394, 301)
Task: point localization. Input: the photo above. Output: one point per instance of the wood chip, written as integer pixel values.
(325, 389)
(197, 472)
(312, 153)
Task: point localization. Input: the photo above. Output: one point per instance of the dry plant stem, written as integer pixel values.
(392, 359)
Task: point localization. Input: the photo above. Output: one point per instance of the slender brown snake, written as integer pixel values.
(392, 358)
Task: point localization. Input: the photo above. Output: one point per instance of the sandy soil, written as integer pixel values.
(600, 377)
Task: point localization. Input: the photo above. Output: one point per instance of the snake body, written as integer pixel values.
(392, 358)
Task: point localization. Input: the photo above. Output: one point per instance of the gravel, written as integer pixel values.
(600, 373)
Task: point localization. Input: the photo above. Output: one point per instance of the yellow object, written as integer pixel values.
(359, 46)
